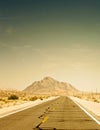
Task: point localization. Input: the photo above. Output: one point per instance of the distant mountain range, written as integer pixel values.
(50, 86)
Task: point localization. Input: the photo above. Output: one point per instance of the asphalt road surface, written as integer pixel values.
(58, 114)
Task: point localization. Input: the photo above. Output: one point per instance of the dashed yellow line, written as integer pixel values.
(53, 109)
(45, 119)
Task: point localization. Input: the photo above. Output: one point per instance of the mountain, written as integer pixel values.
(50, 86)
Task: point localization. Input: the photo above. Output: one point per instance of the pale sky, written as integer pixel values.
(57, 38)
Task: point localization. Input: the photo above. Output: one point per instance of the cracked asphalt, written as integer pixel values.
(60, 114)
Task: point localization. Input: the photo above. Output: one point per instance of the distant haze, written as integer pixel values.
(57, 38)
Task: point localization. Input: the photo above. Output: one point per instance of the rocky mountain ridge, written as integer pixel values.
(50, 86)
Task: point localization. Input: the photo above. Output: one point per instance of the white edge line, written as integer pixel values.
(98, 122)
(22, 109)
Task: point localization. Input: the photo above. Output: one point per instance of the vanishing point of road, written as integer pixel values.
(59, 114)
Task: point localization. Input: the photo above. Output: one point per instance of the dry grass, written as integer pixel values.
(95, 97)
(5, 101)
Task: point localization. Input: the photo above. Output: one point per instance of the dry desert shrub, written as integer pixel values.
(95, 97)
(33, 98)
(13, 97)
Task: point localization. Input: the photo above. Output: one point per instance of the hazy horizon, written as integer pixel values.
(56, 38)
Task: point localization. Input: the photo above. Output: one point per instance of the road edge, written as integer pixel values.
(85, 110)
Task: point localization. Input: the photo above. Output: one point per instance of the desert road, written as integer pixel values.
(59, 114)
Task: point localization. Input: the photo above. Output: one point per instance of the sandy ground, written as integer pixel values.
(93, 107)
(19, 107)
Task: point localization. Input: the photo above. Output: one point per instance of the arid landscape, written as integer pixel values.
(50, 65)
(43, 89)
(13, 97)
(48, 89)
(94, 97)
(23, 97)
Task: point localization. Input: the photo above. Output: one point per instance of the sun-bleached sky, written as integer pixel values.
(57, 38)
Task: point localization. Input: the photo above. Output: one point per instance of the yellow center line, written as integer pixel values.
(45, 119)
(53, 109)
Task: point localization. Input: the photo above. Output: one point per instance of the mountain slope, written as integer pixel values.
(50, 86)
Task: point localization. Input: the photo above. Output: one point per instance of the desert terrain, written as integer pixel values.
(12, 100)
(44, 90)
(10, 97)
